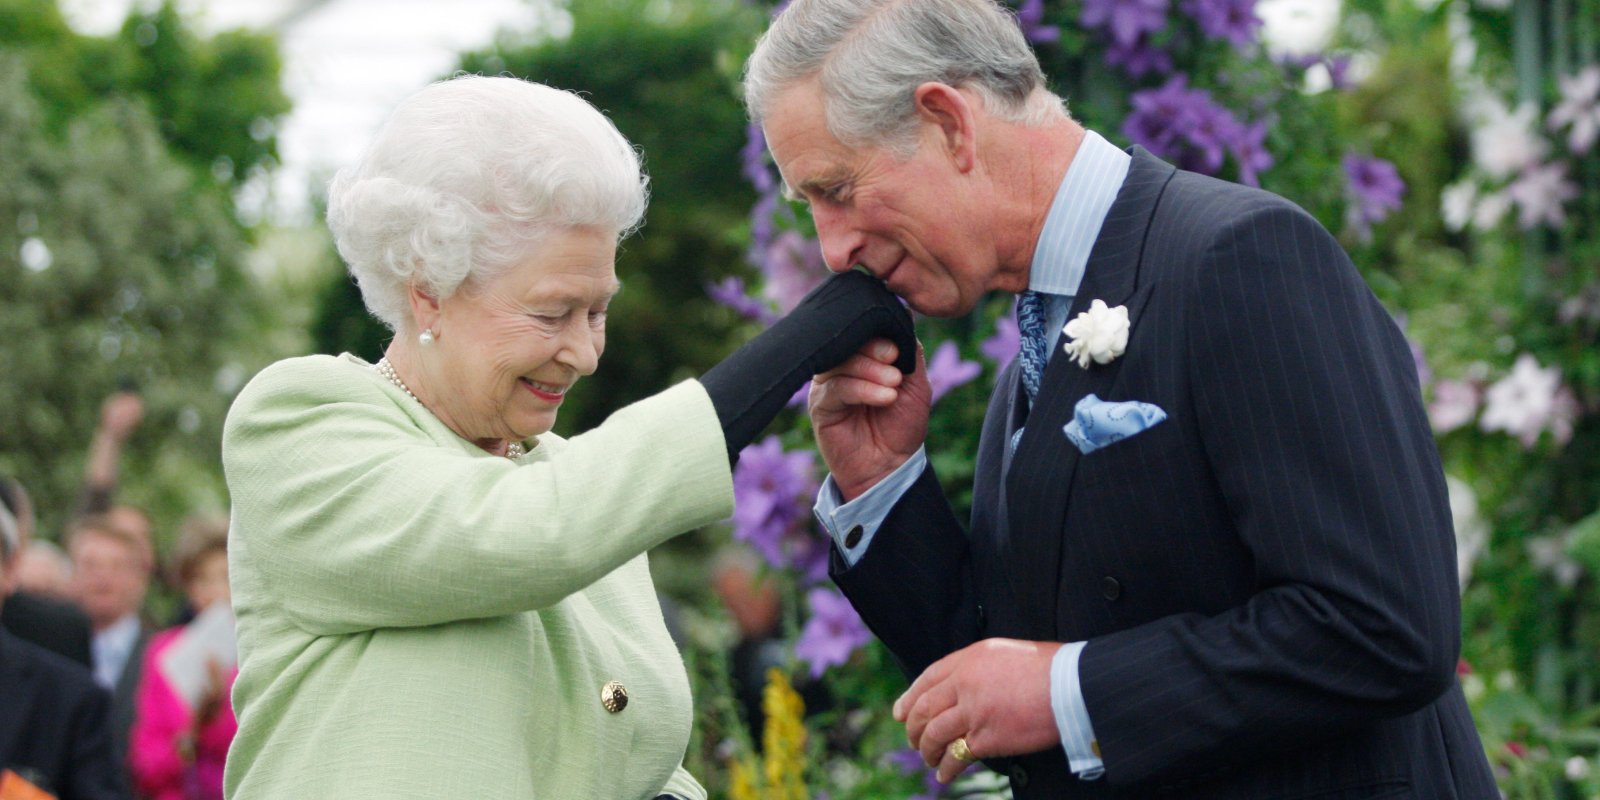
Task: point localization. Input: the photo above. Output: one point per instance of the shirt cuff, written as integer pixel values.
(852, 525)
(1072, 716)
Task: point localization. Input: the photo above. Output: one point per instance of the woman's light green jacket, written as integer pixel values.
(419, 618)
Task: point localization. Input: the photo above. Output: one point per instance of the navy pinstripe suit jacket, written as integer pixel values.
(1266, 580)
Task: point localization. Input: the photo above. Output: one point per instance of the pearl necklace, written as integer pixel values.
(386, 369)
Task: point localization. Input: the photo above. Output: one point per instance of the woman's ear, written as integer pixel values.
(424, 308)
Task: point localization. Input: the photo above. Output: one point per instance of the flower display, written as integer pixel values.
(947, 370)
(1579, 109)
(1541, 194)
(773, 490)
(1125, 21)
(1233, 21)
(1375, 190)
(1004, 344)
(832, 632)
(1529, 401)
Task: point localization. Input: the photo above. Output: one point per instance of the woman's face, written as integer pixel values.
(209, 583)
(507, 350)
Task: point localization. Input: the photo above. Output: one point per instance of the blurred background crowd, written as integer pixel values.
(161, 173)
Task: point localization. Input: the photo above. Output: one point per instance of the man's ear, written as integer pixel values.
(424, 307)
(952, 113)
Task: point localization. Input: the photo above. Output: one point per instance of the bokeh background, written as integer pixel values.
(161, 178)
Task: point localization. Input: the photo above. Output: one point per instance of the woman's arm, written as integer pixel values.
(349, 519)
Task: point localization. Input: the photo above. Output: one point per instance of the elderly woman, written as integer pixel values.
(436, 596)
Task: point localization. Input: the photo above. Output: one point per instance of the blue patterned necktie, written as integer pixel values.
(1033, 353)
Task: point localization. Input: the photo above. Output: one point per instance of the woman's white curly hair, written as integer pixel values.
(466, 177)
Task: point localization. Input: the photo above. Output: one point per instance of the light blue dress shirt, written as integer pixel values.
(1059, 259)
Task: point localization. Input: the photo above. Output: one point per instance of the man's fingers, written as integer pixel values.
(862, 365)
(940, 730)
(842, 392)
(934, 703)
(950, 767)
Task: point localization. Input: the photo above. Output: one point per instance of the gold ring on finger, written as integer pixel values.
(960, 752)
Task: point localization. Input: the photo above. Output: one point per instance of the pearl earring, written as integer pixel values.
(426, 337)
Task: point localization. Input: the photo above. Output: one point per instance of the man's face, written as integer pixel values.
(110, 576)
(909, 221)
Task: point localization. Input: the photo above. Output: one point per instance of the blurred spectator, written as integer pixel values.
(44, 569)
(751, 598)
(53, 727)
(176, 752)
(110, 577)
(57, 626)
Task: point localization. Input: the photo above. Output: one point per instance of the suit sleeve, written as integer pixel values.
(1311, 420)
(913, 587)
(352, 522)
(94, 773)
(683, 786)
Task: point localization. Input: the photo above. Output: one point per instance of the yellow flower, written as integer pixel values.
(783, 742)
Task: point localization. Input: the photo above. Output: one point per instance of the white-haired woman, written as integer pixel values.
(436, 596)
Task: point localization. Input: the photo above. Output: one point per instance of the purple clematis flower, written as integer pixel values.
(947, 370)
(792, 267)
(754, 158)
(1140, 58)
(910, 762)
(1030, 16)
(1186, 126)
(833, 632)
(1125, 20)
(773, 491)
(731, 293)
(1375, 189)
(1233, 20)
(1004, 344)
(1250, 150)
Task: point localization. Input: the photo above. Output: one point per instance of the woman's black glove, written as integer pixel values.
(832, 323)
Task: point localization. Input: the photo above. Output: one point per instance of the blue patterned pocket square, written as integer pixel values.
(1097, 423)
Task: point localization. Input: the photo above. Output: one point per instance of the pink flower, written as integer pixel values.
(1529, 401)
(1579, 108)
(1541, 193)
(947, 370)
(1454, 404)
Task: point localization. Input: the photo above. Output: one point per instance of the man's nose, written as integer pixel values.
(841, 243)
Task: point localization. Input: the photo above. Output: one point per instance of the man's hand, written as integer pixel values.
(120, 414)
(869, 418)
(996, 693)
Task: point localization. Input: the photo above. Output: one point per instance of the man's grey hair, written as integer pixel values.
(10, 535)
(869, 57)
(464, 180)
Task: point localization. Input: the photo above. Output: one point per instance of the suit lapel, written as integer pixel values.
(1038, 483)
(16, 691)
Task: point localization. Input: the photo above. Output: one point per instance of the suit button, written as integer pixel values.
(853, 538)
(1109, 588)
(613, 696)
(1019, 776)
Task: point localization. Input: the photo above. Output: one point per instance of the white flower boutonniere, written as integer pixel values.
(1099, 334)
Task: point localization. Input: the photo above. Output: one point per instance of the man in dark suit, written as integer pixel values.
(57, 626)
(53, 731)
(111, 573)
(1210, 554)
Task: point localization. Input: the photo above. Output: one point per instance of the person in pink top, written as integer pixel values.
(177, 752)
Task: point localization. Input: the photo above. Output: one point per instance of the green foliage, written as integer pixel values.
(216, 100)
(120, 249)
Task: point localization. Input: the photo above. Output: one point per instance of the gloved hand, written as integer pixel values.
(829, 325)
